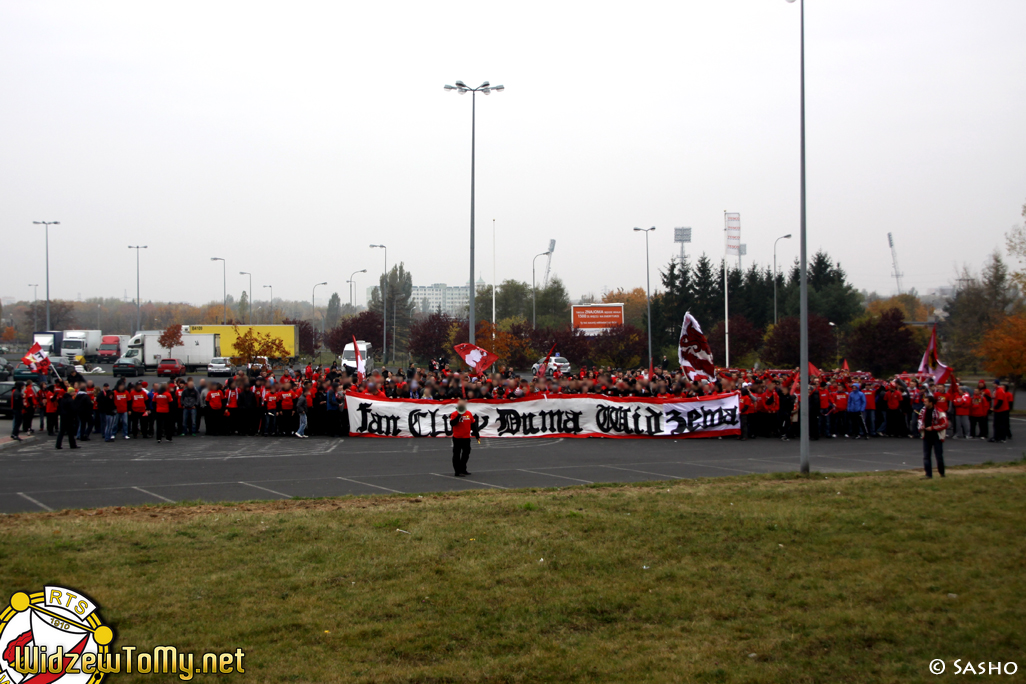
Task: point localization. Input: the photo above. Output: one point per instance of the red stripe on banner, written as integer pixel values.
(547, 397)
(732, 432)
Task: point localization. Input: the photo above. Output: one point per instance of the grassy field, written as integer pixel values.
(861, 578)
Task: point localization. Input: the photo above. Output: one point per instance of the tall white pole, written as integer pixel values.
(726, 304)
(494, 282)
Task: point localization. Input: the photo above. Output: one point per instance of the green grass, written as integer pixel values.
(824, 579)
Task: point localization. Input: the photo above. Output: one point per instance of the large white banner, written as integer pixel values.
(556, 415)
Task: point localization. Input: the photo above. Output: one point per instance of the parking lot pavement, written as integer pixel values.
(38, 477)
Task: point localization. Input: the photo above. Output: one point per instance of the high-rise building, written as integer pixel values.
(449, 299)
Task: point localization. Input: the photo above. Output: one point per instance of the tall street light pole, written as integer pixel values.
(34, 307)
(494, 281)
(272, 298)
(648, 298)
(384, 307)
(534, 290)
(313, 305)
(351, 282)
(782, 237)
(485, 89)
(249, 304)
(803, 345)
(224, 294)
(47, 224)
(138, 305)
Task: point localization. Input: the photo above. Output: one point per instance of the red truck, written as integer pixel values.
(112, 347)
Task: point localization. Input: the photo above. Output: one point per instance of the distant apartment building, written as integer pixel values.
(449, 299)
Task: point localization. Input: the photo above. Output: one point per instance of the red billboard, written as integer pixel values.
(594, 318)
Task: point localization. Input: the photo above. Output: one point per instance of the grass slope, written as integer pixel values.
(855, 578)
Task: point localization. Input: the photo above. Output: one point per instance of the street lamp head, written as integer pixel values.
(484, 85)
(449, 87)
(461, 84)
(363, 271)
(788, 236)
(216, 259)
(324, 283)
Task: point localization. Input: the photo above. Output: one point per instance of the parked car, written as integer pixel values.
(6, 387)
(220, 365)
(128, 366)
(23, 372)
(171, 368)
(6, 369)
(258, 365)
(555, 363)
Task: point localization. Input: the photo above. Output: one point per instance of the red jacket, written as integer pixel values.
(462, 424)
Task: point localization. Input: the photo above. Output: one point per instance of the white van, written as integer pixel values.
(349, 355)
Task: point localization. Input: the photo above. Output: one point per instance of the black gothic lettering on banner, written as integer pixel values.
(377, 423)
(629, 421)
(513, 422)
(706, 419)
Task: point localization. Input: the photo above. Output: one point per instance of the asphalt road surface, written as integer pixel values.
(37, 477)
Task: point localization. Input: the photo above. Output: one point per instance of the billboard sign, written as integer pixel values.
(594, 318)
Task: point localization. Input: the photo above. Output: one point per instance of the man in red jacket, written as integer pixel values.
(463, 425)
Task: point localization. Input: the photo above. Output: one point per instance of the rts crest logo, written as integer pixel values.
(52, 635)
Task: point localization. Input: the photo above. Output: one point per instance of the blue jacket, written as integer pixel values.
(332, 401)
(856, 401)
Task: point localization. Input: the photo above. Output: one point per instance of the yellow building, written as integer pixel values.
(289, 334)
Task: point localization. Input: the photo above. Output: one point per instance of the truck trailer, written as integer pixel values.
(289, 334)
(49, 340)
(195, 351)
(84, 343)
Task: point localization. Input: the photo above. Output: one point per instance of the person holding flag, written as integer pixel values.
(463, 424)
(479, 360)
(693, 352)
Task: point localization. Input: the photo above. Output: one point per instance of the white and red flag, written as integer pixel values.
(478, 359)
(361, 364)
(930, 364)
(36, 359)
(694, 353)
(543, 368)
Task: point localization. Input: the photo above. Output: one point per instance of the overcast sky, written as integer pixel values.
(287, 137)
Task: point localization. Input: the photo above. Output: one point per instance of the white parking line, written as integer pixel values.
(483, 484)
(368, 484)
(38, 503)
(562, 477)
(162, 498)
(287, 496)
(643, 472)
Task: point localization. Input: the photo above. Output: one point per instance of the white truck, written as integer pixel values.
(195, 351)
(49, 341)
(349, 356)
(84, 343)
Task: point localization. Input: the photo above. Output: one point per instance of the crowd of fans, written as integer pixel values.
(312, 401)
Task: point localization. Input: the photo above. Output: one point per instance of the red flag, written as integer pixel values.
(930, 364)
(813, 371)
(845, 365)
(543, 367)
(37, 360)
(361, 366)
(478, 359)
(694, 353)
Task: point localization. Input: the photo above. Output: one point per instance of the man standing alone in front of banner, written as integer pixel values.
(463, 424)
(933, 425)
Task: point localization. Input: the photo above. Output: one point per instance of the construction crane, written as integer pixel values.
(894, 258)
(548, 264)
